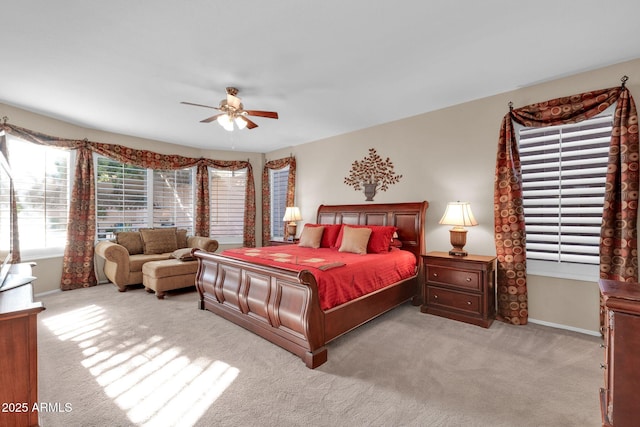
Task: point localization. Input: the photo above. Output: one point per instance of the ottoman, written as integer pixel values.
(169, 274)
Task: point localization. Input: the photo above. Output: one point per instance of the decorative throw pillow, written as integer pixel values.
(131, 240)
(311, 237)
(159, 240)
(183, 254)
(381, 236)
(330, 234)
(181, 238)
(354, 239)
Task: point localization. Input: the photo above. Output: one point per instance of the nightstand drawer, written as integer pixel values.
(462, 301)
(453, 277)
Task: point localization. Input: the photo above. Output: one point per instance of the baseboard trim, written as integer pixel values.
(41, 294)
(568, 328)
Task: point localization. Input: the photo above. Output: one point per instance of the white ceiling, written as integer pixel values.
(327, 67)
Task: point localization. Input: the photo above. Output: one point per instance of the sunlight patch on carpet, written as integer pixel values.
(148, 378)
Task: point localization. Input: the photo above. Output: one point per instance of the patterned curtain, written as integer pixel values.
(266, 192)
(202, 200)
(77, 265)
(618, 241)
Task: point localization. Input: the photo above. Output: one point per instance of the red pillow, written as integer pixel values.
(329, 235)
(380, 240)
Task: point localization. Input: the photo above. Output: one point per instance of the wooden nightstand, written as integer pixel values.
(279, 242)
(460, 288)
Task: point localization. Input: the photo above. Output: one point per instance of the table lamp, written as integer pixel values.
(291, 215)
(459, 215)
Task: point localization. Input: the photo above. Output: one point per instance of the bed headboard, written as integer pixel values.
(409, 218)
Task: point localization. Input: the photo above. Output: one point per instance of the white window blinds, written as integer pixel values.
(563, 174)
(121, 197)
(173, 199)
(278, 181)
(41, 181)
(227, 197)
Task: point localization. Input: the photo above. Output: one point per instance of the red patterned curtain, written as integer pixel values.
(266, 192)
(618, 254)
(77, 268)
(77, 264)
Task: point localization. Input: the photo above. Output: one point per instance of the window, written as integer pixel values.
(42, 184)
(227, 195)
(278, 183)
(131, 197)
(173, 198)
(563, 180)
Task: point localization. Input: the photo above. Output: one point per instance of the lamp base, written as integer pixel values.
(458, 237)
(456, 252)
(291, 231)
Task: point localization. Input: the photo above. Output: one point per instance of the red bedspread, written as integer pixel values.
(341, 276)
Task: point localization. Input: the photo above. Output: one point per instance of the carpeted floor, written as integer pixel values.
(128, 359)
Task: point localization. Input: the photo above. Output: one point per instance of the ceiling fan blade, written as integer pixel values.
(210, 119)
(250, 124)
(199, 105)
(268, 114)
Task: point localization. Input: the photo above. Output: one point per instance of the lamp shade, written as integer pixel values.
(292, 213)
(458, 214)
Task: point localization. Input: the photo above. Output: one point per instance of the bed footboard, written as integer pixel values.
(279, 305)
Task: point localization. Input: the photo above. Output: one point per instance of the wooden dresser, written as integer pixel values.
(619, 402)
(460, 288)
(19, 355)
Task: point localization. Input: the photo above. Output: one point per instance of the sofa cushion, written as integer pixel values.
(131, 240)
(181, 238)
(159, 240)
(137, 261)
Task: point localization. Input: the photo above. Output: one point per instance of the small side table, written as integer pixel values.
(460, 288)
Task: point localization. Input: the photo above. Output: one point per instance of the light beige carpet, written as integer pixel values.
(125, 359)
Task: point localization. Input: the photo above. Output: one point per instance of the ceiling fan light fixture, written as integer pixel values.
(241, 123)
(225, 121)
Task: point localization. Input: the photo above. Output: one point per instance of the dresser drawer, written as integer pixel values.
(461, 301)
(466, 279)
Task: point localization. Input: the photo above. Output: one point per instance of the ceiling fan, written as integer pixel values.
(232, 111)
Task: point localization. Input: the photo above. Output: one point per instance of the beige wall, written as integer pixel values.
(444, 156)
(449, 155)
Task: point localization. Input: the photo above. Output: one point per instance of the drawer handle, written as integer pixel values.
(435, 274)
(468, 279)
(603, 346)
(435, 297)
(603, 366)
(468, 302)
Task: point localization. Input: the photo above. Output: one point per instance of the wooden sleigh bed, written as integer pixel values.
(283, 306)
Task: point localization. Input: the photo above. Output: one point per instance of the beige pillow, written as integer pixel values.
(159, 240)
(355, 240)
(181, 238)
(131, 240)
(311, 237)
(183, 254)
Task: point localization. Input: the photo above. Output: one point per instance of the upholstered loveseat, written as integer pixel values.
(130, 250)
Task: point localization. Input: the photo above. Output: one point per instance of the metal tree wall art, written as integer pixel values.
(372, 174)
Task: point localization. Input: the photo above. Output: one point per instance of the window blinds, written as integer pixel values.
(279, 182)
(228, 191)
(173, 199)
(563, 180)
